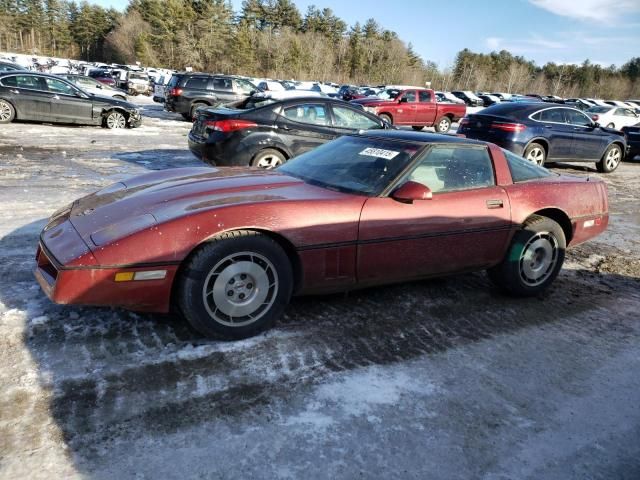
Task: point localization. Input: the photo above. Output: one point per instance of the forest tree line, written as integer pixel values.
(272, 38)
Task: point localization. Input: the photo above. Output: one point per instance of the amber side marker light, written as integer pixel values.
(144, 275)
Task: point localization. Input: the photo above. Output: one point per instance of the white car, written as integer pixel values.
(90, 85)
(271, 86)
(323, 88)
(613, 117)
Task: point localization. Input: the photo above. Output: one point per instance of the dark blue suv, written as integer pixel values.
(541, 132)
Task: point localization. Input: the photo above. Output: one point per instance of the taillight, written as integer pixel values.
(229, 125)
(508, 127)
(595, 117)
(175, 92)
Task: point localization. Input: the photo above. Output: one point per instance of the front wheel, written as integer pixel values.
(268, 159)
(533, 259)
(443, 125)
(115, 119)
(236, 285)
(535, 153)
(610, 160)
(386, 118)
(7, 112)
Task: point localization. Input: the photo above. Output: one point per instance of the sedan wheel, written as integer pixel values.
(268, 159)
(534, 258)
(7, 113)
(115, 120)
(535, 153)
(236, 285)
(610, 160)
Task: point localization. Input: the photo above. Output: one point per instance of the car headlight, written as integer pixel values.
(370, 109)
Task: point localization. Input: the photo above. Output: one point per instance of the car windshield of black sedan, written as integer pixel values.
(364, 166)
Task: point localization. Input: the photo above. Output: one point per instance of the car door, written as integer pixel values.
(349, 120)
(557, 131)
(589, 141)
(465, 225)
(427, 109)
(68, 104)
(223, 90)
(30, 96)
(303, 126)
(405, 113)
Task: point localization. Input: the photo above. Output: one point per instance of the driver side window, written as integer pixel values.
(57, 86)
(451, 168)
(577, 118)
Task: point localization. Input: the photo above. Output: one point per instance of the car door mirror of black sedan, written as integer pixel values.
(411, 191)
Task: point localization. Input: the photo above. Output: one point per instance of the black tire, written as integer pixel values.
(417, 128)
(540, 237)
(7, 112)
(114, 119)
(535, 153)
(194, 107)
(186, 116)
(610, 160)
(229, 255)
(443, 125)
(268, 158)
(386, 117)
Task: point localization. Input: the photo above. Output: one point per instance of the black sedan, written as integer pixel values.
(48, 98)
(264, 132)
(544, 133)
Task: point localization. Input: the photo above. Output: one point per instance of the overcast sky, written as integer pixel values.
(605, 31)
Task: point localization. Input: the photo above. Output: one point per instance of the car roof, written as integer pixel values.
(422, 137)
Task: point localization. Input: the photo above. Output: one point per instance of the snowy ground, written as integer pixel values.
(439, 379)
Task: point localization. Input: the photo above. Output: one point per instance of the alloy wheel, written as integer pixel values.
(443, 126)
(612, 159)
(5, 111)
(116, 120)
(269, 161)
(536, 155)
(538, 259)
(240, 289)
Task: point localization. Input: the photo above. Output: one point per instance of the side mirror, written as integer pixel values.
(403, 100)
(411, 191)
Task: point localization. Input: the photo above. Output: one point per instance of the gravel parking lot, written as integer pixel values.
(443, 379)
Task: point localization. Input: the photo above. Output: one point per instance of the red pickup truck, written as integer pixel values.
(415, 107)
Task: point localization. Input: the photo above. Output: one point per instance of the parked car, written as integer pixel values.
(264, 132)
(103, 76)
(363, 210)
(579, 103)
(543, 133)
(186, 92)
(325, 89)
(91, 85)
(6, 66)
(469, 98)
(137, 83)
(613, 117)
(489, 100)
(418, 108)
(448, 97)
(48, 98)
(632, 135)
(271, 86)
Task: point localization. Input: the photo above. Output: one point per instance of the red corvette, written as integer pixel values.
(229, 247)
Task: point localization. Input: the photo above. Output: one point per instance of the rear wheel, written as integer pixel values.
(417, 128)
(268, 159)
(387, 118)
(610, 160)
(533, 260)
(235, 285)
(7, 112)
(535, 153)
(115, 119)
(194, 107)
(443, 125)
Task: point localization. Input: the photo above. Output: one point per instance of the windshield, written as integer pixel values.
(138, 76)
(364, 166)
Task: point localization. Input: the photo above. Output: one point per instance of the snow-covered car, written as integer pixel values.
(271, 86)
(613, 117)
(91, 85)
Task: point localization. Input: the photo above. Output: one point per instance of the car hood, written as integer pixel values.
(141, 202)
(371, 102)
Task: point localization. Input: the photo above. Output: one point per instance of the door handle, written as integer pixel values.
(495, 204)
(17, 92)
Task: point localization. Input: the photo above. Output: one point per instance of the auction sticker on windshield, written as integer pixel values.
(379, 152)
